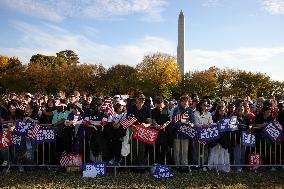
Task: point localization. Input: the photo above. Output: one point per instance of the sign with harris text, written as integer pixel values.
(208, 133)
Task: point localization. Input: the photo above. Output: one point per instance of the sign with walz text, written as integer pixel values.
(272, 132)
(17, 139)
(187, 130)
(92, 170)
(208, 133)
(22, 127)
(162, 171)
(45, 135)
(248, 139)
(145, 134)
(228, 124)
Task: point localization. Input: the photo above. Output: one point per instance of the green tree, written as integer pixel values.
(121, 79)
(70, 57)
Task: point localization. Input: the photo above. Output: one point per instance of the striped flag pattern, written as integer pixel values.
(20, 106)
(165, 125)
(177, 118)
(64, 159)
(32, 133)
(110, 110)
(128, 121)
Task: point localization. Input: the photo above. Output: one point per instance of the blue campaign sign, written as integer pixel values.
(17, 139)
(187, 130)
(272, 132)
(45, 135)
(208, 133)
(228, 124)
(93, 170)
(248, 139)
(22, 127)
(162, 171)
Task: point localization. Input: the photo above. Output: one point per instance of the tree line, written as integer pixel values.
(156, 74)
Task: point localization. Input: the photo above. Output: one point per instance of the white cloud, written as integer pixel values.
(54, 10)
(274, 7)
(48, 39)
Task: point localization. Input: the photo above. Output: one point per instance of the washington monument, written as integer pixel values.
(180, 47)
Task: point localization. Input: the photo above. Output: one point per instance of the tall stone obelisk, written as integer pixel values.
(180, 47)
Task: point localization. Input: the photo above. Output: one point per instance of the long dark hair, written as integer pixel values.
(199, 105)
(216, 117)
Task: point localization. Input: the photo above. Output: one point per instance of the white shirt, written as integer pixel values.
(204, 118)
(117, 117)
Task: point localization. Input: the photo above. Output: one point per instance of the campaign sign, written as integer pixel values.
(272, 132)
(22, 127)
(228, 124)
(145, 134)
(208, 133)
(45, 135)
(248, 139)
(187, 130)
(93, 170)
(5, 139)
(162, 171)
(17, 139)
(254, 159)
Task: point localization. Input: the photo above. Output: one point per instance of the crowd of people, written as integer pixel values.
(99, 118)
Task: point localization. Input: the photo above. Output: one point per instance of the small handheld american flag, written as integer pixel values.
(165, 125)
(128, 121)
(20, 106)
(32, 133)
(64, 159)
(177, 118)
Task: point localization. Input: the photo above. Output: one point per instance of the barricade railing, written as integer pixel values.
(271, 154)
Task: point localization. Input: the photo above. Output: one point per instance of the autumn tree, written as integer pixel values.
(157, 73)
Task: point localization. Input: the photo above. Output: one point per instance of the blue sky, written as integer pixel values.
(238, 34)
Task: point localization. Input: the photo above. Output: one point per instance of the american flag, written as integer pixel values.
(104, 106)
(165, 125)
(128, 121)
(177, 118)
(64, 159)
(20, 106)
(32, 133)
(110, 110)
(108, 100)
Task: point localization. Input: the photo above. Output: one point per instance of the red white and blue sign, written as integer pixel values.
(45, 135)
(93, 170)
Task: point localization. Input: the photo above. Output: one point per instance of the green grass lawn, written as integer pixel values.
(128, 179)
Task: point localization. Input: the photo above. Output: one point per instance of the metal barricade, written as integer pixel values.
(271, 154)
